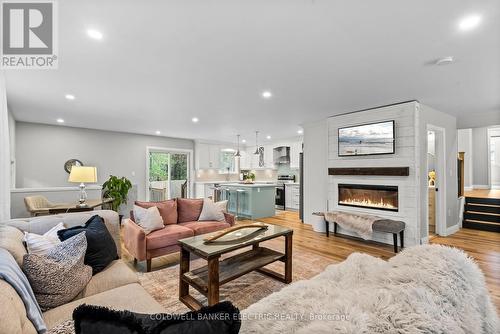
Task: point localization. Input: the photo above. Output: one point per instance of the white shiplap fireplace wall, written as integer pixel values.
(405, 155)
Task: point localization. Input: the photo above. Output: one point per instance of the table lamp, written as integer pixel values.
(82, 175)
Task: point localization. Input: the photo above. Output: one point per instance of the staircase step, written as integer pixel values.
(480, 225)
(479, 200)
(482, 208)
(485, 217)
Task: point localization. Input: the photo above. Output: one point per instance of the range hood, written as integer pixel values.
(281, 155)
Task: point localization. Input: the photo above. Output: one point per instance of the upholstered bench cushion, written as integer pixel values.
(388, 226)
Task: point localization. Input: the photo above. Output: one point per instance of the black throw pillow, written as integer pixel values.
(101, 248)
(222, 318)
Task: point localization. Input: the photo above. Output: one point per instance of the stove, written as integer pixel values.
(280, 190)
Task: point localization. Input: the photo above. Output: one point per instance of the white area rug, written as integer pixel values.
(424, 289)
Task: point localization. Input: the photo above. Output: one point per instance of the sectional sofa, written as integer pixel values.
(116, 286)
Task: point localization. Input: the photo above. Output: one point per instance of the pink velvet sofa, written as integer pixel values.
(180, 218)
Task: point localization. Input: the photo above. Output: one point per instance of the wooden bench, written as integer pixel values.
(382, 225)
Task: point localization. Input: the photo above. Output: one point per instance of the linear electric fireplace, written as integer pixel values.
(369, 196)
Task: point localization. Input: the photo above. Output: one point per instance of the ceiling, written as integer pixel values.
(160, 63)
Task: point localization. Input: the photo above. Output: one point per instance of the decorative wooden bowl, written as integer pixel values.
(214, 237)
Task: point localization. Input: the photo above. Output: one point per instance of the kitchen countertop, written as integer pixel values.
(234, 182)
(250, 185)
(292, 184)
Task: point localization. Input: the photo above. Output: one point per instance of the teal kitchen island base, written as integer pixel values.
(252, 201)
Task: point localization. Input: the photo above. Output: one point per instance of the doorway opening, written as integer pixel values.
(494, 157)
(168, 174)
(436, 181)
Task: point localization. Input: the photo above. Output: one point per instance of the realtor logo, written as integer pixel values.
(29, 38)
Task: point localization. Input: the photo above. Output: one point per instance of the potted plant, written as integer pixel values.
(117, 189)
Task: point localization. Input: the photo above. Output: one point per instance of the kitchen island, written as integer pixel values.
(252, 201)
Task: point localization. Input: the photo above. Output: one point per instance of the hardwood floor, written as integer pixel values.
(483, 246)
(483, 193)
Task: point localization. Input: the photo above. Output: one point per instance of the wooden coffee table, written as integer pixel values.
(209, 278)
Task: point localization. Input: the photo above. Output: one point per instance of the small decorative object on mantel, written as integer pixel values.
(70, 163)
(238, 236)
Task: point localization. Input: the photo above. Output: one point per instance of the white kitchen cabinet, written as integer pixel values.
(202, 156)
(214, 153)
(245, 160)
(295, 150)
(207, 156)
(268, 156)
(292, 196)
(254, 160)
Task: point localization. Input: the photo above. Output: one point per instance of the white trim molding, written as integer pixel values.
(452, 229)
(480, 186)
(53, 189)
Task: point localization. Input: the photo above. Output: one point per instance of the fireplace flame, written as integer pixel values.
(369, 203)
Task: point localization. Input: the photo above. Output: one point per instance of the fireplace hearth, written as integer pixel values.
(379, 197)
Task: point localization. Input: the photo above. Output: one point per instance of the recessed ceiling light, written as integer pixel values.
(69, 97)
(243, 141)
(95, 34)
(469, 22)
(60, 120)
(158, 132)
(444, 61)
(268, 137)
(195, 119)
(266, 94)
(300, 132)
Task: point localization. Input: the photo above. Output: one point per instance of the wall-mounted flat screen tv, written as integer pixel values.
(367, 139)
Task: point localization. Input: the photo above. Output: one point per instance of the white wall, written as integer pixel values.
(480, 161)
(465, 145)
(404, 117)
(429, 116)
(494, 145)
(12, 140)
(41, 151)
(315, 173)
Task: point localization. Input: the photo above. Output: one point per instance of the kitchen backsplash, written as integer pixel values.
(285, 169)
(206, 175)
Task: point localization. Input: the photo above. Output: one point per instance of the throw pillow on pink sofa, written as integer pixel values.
(168, 209)
(189, 209)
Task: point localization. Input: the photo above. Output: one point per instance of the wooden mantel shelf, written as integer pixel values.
(379, 171)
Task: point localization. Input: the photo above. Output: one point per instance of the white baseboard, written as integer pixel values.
(480, 186)
(424, 241)
(452, 229)
(468, 188)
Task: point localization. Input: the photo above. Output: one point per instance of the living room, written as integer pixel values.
(279, 166)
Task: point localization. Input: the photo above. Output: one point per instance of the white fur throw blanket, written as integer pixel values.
(424, 289)
(354, 222)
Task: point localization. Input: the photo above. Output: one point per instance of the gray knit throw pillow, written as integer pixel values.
(58, 276)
